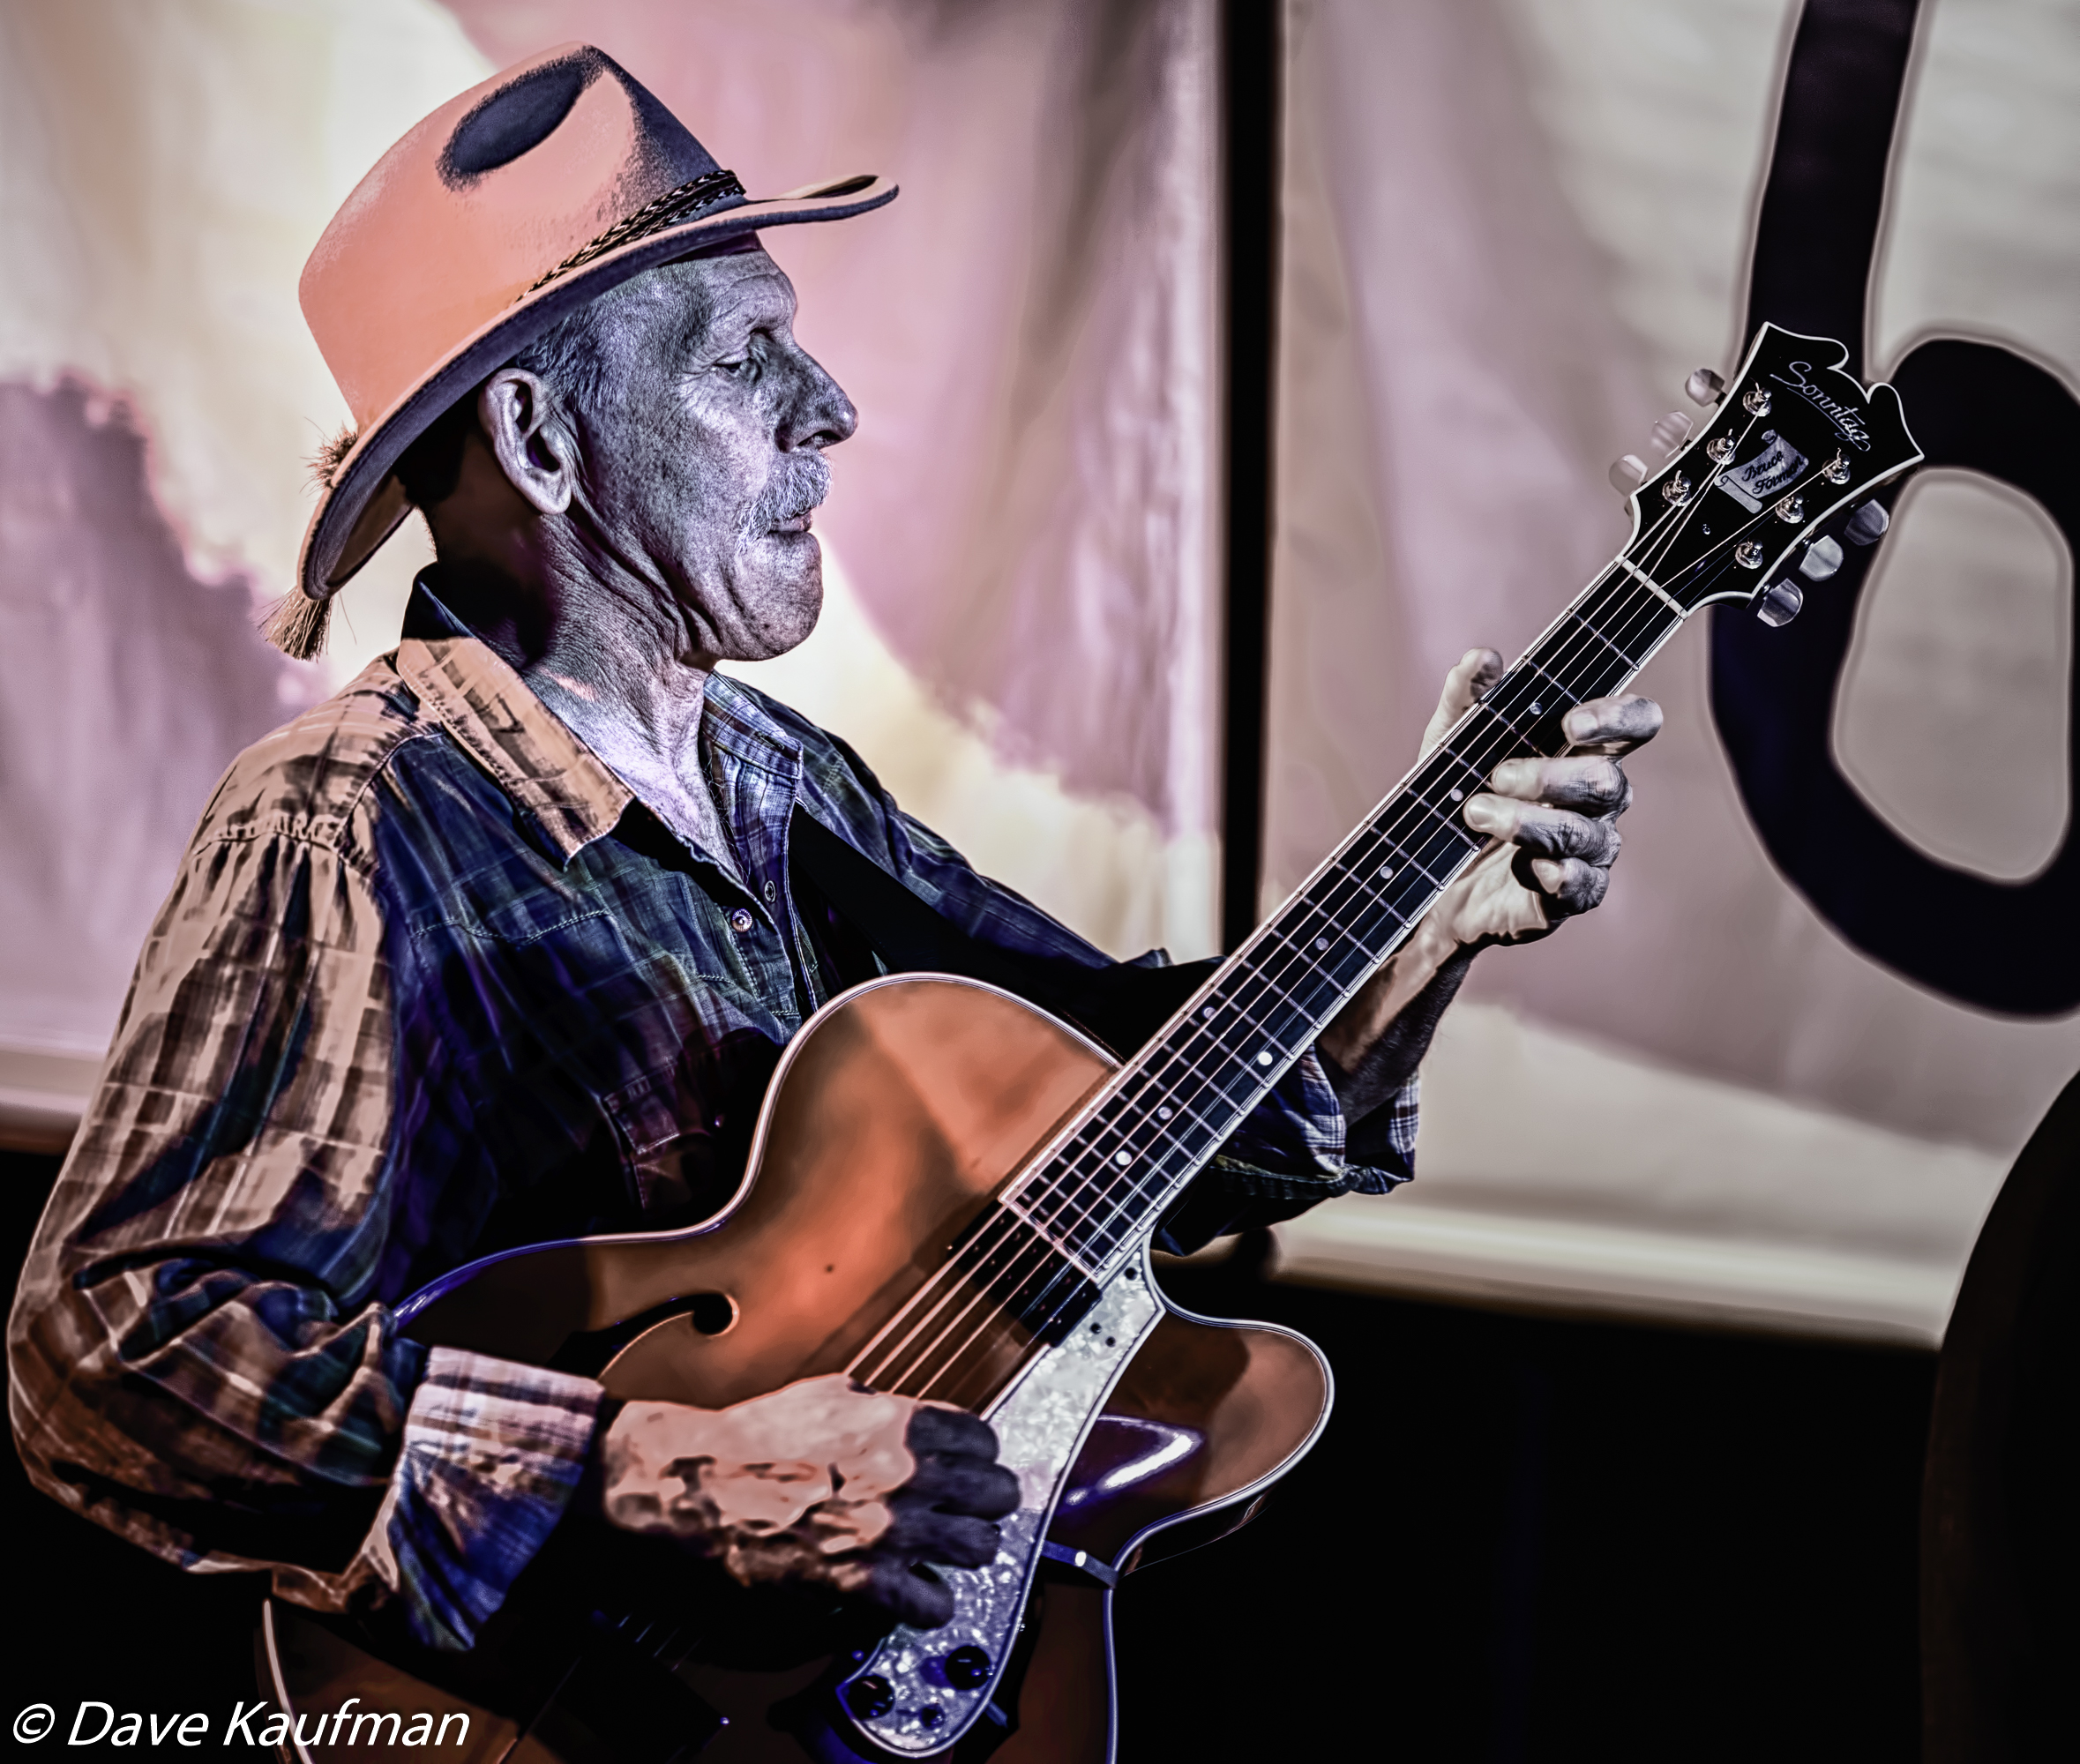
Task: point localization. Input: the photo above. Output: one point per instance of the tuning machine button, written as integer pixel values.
(1779, 603)
(1628, 472)
(870, 1698)
(1822, 558)
(1867, 525)
(1671, 431)
(967, 1668)
(1704, 387)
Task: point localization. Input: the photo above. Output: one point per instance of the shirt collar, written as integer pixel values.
(567, 790)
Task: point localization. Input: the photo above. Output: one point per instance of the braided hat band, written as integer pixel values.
(691, 198)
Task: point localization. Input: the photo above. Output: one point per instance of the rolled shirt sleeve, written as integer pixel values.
(201, 1358)
(492, 1451)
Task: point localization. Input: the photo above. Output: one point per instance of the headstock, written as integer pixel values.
(1791, 448)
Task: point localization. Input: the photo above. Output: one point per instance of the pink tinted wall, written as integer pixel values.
(130, 683)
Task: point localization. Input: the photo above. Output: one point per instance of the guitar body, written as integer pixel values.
(896, 1115)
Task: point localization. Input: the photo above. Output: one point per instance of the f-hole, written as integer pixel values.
(588, 1352)
(712, 1313)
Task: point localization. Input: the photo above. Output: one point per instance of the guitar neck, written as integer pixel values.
(1100, 1190)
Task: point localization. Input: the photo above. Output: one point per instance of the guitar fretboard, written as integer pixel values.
(1099, 1190)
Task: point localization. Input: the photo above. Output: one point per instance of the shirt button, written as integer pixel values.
(770, 891)
(740, 921)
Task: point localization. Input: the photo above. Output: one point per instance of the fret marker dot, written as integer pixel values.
(1458, 795)
(1321, 943)
(1263, 1059)
(1385, 869)
(1535, 707)
(1123, 1156)
(1207, 1013)
(1163, 1114)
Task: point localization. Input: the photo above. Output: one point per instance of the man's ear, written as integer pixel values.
(528, 437)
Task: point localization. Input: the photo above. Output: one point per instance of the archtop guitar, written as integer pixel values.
(951, 1195)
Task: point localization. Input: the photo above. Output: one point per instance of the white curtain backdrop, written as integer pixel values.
(1511, 228)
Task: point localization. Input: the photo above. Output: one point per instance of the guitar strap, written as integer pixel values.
(1119, 1005)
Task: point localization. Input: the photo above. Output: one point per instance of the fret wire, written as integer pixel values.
(1143, 1188)
(1153, 1187)
(1335, 913)
(1157, 1175)
(1603, 639)
(1282, 941)
(1168, 1082)
(1155, 1179)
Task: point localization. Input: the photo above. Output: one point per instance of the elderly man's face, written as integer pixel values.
(703, 449)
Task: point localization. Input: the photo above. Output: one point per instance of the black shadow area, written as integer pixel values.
(1530, 1539)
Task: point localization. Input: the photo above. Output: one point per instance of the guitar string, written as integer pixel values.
(1595, 620)
(1153, 1157)
(1275, 977)
(1625, 636)
(1672, 517)
(1595, 626)
(1291, 934)
(1285, 938)
(1062, 1171)
(1675, 520)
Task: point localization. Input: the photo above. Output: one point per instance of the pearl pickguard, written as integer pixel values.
(1040, 1423)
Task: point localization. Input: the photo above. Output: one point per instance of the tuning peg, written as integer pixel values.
(1627, 474)
(1671, 431)
(1779, 603)
(1867, 525)
(1704, 387)
(1822, 558)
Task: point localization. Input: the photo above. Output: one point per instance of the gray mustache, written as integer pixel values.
(799, 485)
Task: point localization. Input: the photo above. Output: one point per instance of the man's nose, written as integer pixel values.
(820, 415)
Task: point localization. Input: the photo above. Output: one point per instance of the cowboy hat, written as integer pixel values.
(499, 215)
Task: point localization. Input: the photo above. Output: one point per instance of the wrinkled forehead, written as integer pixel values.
(679, 302)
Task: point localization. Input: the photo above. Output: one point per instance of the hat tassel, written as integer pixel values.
(298, 625)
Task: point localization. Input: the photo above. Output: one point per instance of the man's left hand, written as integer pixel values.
(1556, 819)
(1555, 824)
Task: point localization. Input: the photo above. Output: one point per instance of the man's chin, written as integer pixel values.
(782, 622)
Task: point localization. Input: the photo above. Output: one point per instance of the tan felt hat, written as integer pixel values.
(504, 210)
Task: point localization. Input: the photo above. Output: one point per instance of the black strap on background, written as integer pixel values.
(1119, 1005)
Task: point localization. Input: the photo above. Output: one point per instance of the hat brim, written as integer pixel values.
(363, 504)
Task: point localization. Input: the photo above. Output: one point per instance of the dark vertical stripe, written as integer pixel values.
(1252, 77)
(1818, 230)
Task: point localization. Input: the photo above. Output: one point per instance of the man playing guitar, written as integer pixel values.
(501, 944)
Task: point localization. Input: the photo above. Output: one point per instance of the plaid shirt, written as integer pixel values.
(432, 982)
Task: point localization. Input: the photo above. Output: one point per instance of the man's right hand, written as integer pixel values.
(820, 1484)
